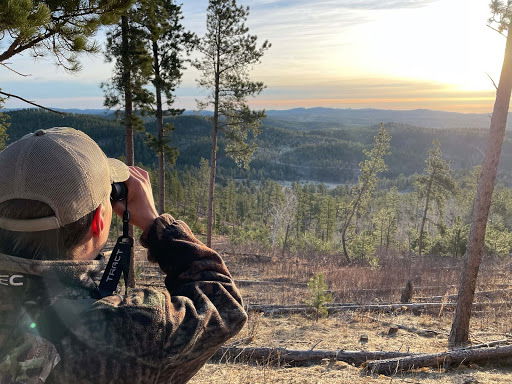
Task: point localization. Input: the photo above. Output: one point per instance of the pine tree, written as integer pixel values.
(126, 89)
(228, 53)
(361, 193)
(386, 221)
(318, 295)
(168, 43)
(434, 185)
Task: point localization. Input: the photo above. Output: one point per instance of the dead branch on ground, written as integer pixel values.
(279, 356)
(335, 308)
(438, 360)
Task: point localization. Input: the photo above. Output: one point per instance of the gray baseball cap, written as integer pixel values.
(62, 167)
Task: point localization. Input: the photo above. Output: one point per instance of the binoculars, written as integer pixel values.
(119, 192)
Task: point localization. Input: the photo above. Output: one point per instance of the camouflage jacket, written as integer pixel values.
(54, 329)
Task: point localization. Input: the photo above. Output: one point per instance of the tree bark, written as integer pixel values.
(213, 157)
(213, 171)
(459, 334)
(425, 211)
(437, 360)
(285, 242)
(277, 310)
(160, 129)
(279, 356)
(347, 224)
(128, 97)
(128, 120)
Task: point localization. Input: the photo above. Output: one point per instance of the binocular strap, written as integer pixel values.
(118, 263)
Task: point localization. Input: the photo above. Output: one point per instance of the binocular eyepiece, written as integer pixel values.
(119, 192)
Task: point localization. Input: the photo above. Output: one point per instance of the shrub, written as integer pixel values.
(318, 295)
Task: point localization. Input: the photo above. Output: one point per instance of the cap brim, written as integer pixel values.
(119, 171)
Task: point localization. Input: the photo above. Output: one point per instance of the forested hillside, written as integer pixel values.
(369, 116)
(288, 151)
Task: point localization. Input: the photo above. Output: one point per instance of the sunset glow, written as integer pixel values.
(391, 54)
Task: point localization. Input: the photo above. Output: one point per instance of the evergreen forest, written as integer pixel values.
(296, 192)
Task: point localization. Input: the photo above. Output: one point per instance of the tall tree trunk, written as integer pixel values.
(213, 157)
(329, 218)
(425, 212)
(128, 120)
(211, 185)
(348, 221)
(128, 97)
(160, 129)
(344, 243)
(460, 327)
(388, 235)
(285, 242)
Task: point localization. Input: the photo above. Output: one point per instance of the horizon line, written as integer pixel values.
(106, 110)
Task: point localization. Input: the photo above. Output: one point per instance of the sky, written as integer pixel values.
(386, 54)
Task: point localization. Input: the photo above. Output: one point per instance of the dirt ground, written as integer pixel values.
(343, 332)
(286, 284)
(341, 373)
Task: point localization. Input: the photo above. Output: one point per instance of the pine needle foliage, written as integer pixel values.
(62, 28)
(318, 295)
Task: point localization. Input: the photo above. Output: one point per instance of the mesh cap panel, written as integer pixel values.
(61, 167)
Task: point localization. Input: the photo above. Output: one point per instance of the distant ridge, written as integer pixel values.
(338, 117)
(368, 116)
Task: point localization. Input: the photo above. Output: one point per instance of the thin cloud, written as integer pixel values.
(337, 4)
(365, 88)
(342, 93)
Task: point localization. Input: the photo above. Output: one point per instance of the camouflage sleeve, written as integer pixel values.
(204, 307)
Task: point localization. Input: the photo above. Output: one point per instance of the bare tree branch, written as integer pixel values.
(32, 103)
(6, 65)
(494, 29)
(493, 83)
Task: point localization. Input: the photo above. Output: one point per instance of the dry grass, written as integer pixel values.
(340, 373)
(343, 332)
(285, 284)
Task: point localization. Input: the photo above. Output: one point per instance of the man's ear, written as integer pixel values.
(97, 221)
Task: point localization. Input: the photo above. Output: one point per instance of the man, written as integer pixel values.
(55, 215)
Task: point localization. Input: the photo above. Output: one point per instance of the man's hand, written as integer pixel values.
(140, 199)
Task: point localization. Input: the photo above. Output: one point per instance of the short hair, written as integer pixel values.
(54, 244)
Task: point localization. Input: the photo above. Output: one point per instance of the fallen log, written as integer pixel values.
(486, 294)
(242, 341)
(242, 283)
(280, 356)
(443, 288)
(437, 360)
(487, 345)
(335, 308)
(270, 307)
